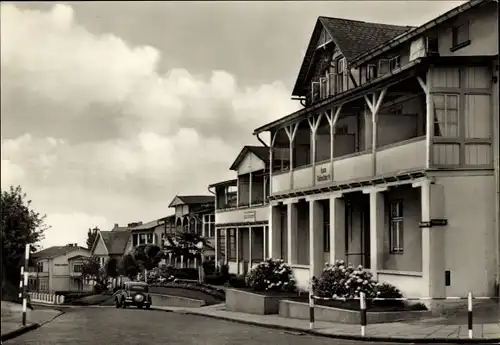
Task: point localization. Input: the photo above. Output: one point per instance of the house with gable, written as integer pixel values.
(241, 212)
(113, 244)
(58, 269)
(393, 159)
(195, 214)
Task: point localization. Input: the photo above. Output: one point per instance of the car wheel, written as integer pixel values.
(139, 306)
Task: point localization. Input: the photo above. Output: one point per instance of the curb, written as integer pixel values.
(355, 337)
(19, 331)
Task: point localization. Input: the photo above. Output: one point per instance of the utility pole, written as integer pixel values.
(24, 270)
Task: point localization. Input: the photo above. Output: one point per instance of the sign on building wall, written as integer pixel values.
(323, 174)
(249, 216)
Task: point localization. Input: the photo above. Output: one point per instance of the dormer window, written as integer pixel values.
(371, 72)
(340, 74)
(460, 36)
(394, 63)
(383, 67)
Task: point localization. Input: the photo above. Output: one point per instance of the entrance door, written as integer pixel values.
(357, 229)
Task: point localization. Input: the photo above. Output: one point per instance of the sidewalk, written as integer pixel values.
(414, 332)
(12, 319)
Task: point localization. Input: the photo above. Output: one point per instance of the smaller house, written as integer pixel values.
(196, 214)
(153, 232)
(58, 268)
(112, 244)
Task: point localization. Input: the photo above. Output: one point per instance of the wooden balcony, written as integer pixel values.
(247, 214)
(394, 158)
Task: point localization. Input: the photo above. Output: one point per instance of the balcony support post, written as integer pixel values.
(374, 106)
(237, 192)
(271, 159)
(291, 131)
(332, 121)
(313, 124)
(250, 189)
(429, 120)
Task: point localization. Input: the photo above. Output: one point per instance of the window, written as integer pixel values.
(396, 227)
(326, 227)
(323, 88)
(460, 35)
(149, 238)
(371, 72)
(383, 66)
(394, 63)
(77, 268)
(232, 244)
(142, 239)
(209, 225)
(315, 91)
(446, 115)
(39, 267)
(341, 72)
(44, 285)
(135, 240)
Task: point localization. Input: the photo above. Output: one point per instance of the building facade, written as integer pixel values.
(58, 268)
(241, 211)
(195, 214)
(393, 161)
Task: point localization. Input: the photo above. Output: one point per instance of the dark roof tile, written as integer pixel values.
(54, 251)
(115, 241)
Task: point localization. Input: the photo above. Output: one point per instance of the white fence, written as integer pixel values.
(46, 298)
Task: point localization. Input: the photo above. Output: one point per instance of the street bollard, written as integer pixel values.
(311, 311)
(362, 310)
(469, 314)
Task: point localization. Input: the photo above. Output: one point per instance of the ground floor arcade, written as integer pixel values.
(241, 246)
(401, 230)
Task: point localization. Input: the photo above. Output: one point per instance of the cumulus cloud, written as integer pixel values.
(95, 134)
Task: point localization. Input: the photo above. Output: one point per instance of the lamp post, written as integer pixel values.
(200, 245)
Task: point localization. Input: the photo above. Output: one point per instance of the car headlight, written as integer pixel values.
(139, 298)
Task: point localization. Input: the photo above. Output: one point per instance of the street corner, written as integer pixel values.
(15, 331)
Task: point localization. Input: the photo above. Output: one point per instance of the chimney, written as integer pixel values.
(116, 225)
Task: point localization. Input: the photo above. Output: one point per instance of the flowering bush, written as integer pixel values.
(344, 281)
(271, 275)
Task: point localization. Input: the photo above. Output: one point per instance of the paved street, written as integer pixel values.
(132, 326)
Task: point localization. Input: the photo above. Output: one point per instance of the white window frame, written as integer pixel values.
(209, 225)
(381, 64)
(396, 227)
(394, 63)
(442, 123)
(371, 72)
(75, 265)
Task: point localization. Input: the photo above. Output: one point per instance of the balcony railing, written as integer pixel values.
(401, 156)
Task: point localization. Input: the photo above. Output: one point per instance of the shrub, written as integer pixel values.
(214, 279)
(386, 290)
(209, 267)
(224, 271)
(186, 273)
(237, 281)
(271, 275)
(210, 290)
(344, 281)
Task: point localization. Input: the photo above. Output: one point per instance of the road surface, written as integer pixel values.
(97, 326)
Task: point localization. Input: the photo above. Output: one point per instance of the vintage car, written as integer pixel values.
(133, 293)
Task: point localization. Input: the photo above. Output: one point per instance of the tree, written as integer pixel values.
(185, 245)
(147, 256)
(20, 225)
(92, 270)
(91, 236)
(128, 266)
(111, 268)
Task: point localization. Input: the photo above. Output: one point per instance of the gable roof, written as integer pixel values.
(78, 257)
(115, 241)
(260, 151)
(352, 37)
(55, 251)
(152, 224)
(384, 46)
(191, 200)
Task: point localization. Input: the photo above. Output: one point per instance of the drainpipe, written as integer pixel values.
(496, 138)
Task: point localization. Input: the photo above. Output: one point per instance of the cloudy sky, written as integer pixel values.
(110, 109)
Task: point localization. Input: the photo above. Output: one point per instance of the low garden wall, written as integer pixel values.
(300, 310)
(253, 302)
(161, 300)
